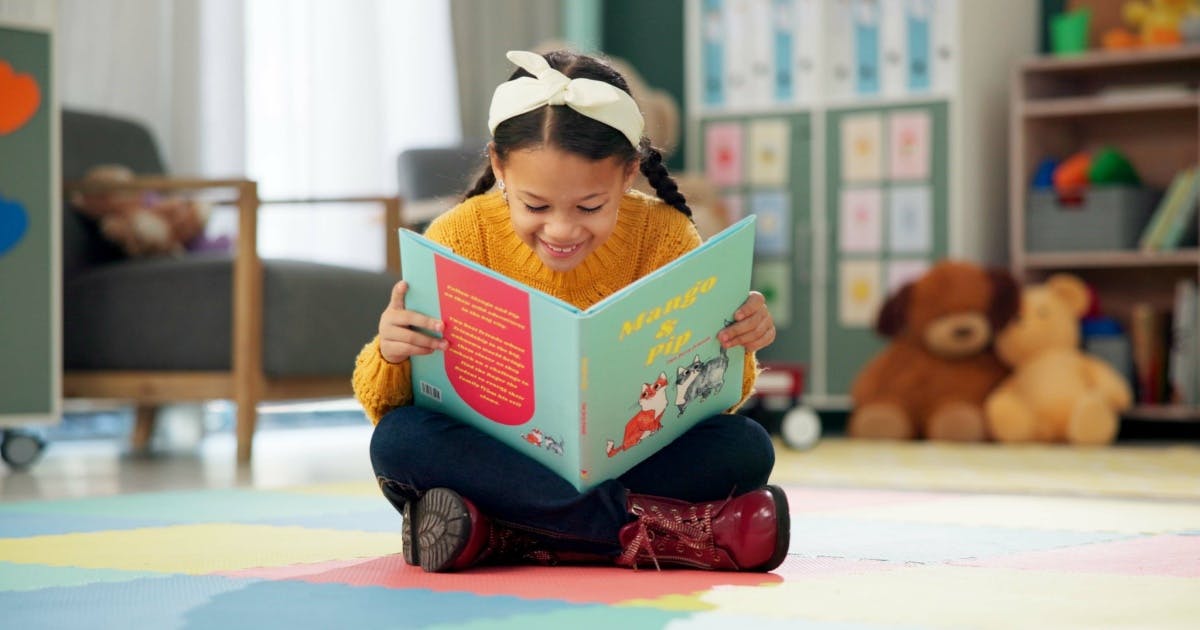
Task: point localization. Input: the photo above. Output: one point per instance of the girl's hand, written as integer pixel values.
(753, 326)
(399, 338)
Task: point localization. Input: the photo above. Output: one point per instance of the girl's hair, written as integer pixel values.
(562, 127)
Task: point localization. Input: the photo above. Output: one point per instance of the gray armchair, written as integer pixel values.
(203, 326)
(432, 179)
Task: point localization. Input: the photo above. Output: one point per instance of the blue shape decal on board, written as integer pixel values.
(784, 20)
(713, 37)
(13, 224)
(866, 46)
(917, 18)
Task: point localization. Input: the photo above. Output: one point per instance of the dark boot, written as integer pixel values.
(452, 534)
(744, 533)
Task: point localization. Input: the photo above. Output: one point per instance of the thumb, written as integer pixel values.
(398, 291)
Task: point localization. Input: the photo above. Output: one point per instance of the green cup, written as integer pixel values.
(1069, 32)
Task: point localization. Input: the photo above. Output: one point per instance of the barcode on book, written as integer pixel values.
(431, 391)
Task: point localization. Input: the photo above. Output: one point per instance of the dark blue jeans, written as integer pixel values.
(414, 450)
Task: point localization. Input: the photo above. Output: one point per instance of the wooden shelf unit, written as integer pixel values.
(1145, 103)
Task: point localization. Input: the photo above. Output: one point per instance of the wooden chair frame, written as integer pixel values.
(245, 383)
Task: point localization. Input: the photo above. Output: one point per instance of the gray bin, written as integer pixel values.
(1109, 218)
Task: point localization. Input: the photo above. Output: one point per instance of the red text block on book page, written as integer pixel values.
(490, 358)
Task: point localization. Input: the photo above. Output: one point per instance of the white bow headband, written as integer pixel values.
(595, 99)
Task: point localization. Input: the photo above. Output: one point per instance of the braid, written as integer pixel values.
(664, 185)
(484, 183)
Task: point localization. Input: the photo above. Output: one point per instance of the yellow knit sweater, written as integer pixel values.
(648, 234)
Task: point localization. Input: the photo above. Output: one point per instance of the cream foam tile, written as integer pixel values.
(962, 597)
(198, 549)
(1129, 516)
(1149, 471)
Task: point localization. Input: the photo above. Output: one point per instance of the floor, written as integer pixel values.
(900, 535)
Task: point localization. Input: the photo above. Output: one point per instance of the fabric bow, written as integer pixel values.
(595, 99)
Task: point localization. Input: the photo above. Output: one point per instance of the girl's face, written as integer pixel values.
(563, 206)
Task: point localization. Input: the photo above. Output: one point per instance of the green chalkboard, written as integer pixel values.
(782, 268)
(28, 315)
(850, 341)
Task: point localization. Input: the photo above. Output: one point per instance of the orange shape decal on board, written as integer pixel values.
(19, 98)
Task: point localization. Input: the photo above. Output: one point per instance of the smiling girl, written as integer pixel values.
(555, 210)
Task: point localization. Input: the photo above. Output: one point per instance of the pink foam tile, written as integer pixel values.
(1167, 555)
(579, 584)
(808, 499)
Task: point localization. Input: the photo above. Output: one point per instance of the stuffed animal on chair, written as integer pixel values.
(1056, 393)
(142, 223)
(934, 375)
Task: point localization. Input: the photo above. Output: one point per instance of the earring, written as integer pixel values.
(503, 193)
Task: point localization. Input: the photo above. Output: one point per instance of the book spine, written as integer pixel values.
(583, 447)
(1182, 368)
(1182, 212)
(1145, 336)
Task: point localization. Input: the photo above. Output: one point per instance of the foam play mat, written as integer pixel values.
(328, 556)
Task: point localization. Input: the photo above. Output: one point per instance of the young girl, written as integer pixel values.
(554, 209)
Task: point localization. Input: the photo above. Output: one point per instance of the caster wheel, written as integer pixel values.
(19, 449)
(801, 428)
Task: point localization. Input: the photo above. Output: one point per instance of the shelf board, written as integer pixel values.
(1113, 58)
(1112, 259)
(1170, 413)
(1098, 105)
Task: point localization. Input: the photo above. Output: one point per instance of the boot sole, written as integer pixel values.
(783, 530)
(436, 529)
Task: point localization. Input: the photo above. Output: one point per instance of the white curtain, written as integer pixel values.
(308, 97)
(334, 91)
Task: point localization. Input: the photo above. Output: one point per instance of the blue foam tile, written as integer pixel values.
(23, 524)
(202, 506)
(158, 602)
(31, 577)
(300, 605)
(925, 542)
(589, 616)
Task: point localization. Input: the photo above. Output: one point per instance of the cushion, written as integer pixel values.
(175, 314)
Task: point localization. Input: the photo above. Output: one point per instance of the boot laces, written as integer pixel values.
(690, 528)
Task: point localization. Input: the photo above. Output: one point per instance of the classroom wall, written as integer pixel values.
(649, 35)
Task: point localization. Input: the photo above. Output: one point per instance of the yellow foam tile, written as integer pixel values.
(350, 488)
(955, 597)
(197, 549)
(1131, 516)
(681, 602)
(1149, 471)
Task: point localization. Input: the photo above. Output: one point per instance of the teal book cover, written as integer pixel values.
(589, 393)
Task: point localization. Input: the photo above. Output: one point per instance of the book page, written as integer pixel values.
(489, 361)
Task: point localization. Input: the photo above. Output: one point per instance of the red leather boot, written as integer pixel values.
(445, 532)
(749, 532)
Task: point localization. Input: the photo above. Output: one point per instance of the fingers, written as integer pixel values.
(753, 326)
(402, 332)
(755, 302)
(398, 291)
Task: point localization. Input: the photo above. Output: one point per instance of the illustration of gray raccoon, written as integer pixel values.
(700, 379)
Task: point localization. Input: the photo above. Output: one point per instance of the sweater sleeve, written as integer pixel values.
(749, 377)
(380, 386)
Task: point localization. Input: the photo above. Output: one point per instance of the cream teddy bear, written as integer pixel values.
(1056, 392)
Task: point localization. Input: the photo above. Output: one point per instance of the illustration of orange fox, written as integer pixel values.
(644, 423)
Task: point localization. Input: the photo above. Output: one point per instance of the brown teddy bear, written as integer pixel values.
(142, 223)
(933, 377)
(1056, 393)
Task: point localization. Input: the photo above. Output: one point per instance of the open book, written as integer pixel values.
(588, 393)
